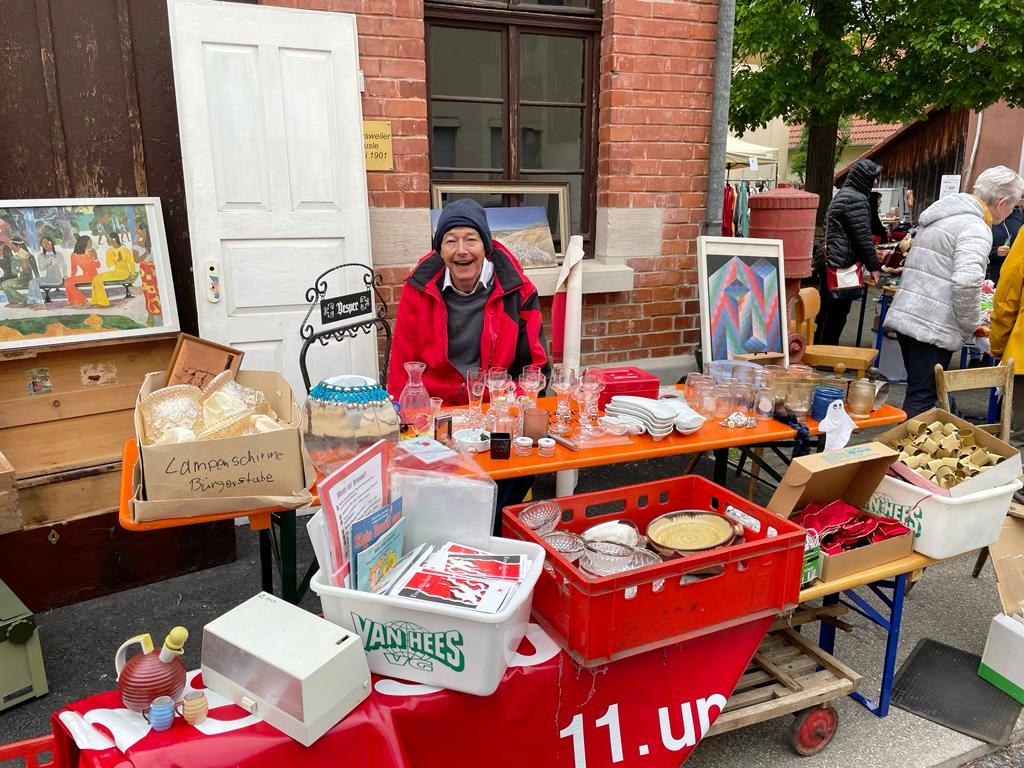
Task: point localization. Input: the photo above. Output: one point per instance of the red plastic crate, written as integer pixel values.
(627, 380)
(600, 619)
(30, 751)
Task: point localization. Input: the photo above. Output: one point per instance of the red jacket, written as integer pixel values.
(512, 334)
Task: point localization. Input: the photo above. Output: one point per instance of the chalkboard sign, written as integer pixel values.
(343, 307)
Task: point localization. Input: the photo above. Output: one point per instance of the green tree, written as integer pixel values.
(798, 155)
(814, 62)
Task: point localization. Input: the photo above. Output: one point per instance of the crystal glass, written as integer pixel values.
(764, 403)
(541, 516)
(174, 406)
(476, 381)
(563, 381)
(414, 402)
(499, 385)
(591, 384)
(531, 381)
(568, 545)
(742, 398)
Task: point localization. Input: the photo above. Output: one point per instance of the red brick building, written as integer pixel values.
(612, 97)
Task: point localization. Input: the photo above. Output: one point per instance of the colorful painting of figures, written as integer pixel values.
(83, 270)
(743, 297)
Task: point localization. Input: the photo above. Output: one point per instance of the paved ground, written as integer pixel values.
(79, 642)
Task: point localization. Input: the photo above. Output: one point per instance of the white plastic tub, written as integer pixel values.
(437, 644)
(943, 526)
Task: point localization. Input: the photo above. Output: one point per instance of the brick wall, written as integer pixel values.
(654, 126)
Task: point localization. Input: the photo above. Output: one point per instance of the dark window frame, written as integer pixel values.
(510, 19)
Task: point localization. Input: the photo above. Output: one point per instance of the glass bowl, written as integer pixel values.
(541, 517)
(608, 556)
(568, 545)
(175, 406)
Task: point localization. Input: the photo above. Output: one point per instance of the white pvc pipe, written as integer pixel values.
(565, 481)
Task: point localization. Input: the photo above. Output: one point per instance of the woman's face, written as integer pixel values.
(47, 244)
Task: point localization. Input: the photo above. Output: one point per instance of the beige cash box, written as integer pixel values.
(300, 673)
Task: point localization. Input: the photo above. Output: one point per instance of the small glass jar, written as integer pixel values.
(743, 398)
(798, 399)
(523, 446)
(860, 398)
(764, 403)
(800, 370)
(723, 400)
(546, 447)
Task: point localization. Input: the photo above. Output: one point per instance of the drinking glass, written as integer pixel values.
(742, 398)
(531, 380)
(497, 379)
(723, 400)
(476, 381)
(563, 381)
(690, 388)
(592, 384)
(435, 411)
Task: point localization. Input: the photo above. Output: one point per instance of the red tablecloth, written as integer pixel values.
(649, 710)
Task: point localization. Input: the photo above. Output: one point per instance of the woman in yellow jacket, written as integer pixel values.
(120, 266)
(1007, 333)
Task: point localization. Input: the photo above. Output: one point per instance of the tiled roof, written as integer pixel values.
(864, 133)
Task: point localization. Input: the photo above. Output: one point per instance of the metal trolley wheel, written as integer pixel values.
(813, 729)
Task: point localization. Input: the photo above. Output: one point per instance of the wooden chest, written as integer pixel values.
(65, 413)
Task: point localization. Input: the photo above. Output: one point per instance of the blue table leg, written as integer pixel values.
(827, 632)
(891, 625)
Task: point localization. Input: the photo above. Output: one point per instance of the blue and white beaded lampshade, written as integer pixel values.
(345, 415)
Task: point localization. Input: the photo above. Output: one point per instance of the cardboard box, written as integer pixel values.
(1002, 473)
(1002, 663)
(851, 474)
(234, 474)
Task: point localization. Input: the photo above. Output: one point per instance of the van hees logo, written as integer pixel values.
(404, 643)
(883, 504)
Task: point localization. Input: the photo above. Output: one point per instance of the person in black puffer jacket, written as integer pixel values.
(848, 229)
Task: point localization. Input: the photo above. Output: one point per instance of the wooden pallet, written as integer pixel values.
(787, 674)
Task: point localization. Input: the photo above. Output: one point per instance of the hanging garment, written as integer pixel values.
(728, 199)
(742, 211)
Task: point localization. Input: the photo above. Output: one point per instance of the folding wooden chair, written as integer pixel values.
(805, 310)
(999, 377)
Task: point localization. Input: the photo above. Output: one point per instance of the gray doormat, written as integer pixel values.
(941, 684)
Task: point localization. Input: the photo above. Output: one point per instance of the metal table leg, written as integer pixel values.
(289, 590)
(882, 590)
(721, 466)
(860, 320)
(266, 562)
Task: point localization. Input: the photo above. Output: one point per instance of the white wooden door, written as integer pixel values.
(272, 146)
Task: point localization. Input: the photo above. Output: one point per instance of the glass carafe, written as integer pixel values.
(414, 402)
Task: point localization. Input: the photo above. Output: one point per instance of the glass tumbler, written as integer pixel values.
(723, 400)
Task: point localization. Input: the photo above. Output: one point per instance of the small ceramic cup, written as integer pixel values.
(160, 713)
(193, 707)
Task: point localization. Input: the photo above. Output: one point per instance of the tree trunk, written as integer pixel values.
(821, 163)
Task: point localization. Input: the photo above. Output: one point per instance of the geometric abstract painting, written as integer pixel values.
(741, 303)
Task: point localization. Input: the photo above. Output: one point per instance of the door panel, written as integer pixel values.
(272, 143)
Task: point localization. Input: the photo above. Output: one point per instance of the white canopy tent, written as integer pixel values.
(739, 152)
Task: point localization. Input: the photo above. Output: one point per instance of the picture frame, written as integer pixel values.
(197, 361)
(440, 190)
(104, 273)
(742, 289)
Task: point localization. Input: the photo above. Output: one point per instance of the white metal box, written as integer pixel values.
(300, 673)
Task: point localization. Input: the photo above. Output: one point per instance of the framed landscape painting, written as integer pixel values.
(742, 297)
(81, 270)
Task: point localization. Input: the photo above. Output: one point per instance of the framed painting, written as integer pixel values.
(742, 297)
(197, 361)
(534, 233)
(78, 270)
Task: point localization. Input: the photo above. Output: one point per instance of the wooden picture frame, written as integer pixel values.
(559, 190)
(196, 361)
(104, 274)
(742, 287)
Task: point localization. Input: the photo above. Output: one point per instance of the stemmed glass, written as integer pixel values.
(496, 380)
(476, 380)
(563, 381)
(532, 381)
(591, 384)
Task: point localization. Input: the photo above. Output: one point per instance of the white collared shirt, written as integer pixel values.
(486, 273)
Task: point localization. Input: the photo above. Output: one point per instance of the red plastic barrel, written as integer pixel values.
(787, 214)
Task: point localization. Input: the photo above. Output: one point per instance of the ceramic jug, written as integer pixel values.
(150, 674)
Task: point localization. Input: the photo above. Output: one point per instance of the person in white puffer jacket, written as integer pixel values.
(936, 309)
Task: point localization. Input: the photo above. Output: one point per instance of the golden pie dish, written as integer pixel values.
(678, 534)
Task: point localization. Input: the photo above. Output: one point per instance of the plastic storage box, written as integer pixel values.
(436, 644)
(601, 619)
(943, 526)
(627, 380)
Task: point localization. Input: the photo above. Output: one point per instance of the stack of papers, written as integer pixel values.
(460, 577)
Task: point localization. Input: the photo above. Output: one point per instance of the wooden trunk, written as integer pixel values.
(65, 413)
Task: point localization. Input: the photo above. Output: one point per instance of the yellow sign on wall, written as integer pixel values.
(377, 145)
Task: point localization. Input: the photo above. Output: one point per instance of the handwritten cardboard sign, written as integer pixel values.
(265, 466)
